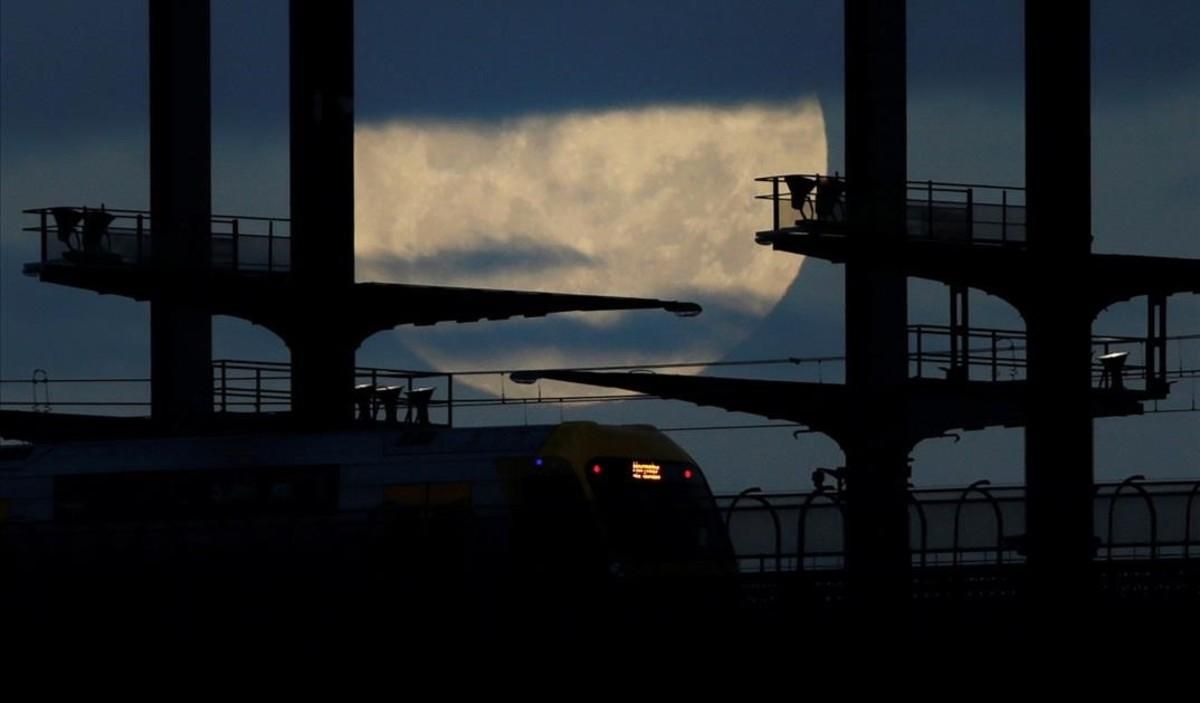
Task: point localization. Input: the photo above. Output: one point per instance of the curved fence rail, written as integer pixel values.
(973, 526)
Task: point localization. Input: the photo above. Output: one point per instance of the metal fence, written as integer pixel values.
(987, 354)
(122, 238)
(974, 525)
(936, 211)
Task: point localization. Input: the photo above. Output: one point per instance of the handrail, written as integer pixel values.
(911, 183)
(123, 237)
(1132, 482)
(127, 211)
(749, 493)
(998, 341)
(802, 520)
(980, 487)
(924, 549)
(947, 529)
(1187, 517)
(935, 210)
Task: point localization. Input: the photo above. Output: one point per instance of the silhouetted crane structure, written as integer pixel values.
(1036, 255)
(1031, 247)
(191, 265)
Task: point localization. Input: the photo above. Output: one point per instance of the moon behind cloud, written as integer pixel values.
(654, 201)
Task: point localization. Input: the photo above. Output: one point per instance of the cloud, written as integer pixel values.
(655, 201)
(491, 256)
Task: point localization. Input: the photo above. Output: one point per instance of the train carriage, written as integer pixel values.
(302, 536)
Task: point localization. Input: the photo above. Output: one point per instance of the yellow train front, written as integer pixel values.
(628, 516)
(598, 527)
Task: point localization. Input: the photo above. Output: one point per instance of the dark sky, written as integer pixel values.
(73, 128)
(480, 60)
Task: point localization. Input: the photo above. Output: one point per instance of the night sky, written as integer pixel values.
(602, 147)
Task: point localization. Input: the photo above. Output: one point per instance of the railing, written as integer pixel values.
(251, 386)
(948, 212)
(379, 394)
(957, 212)
(1133, 520)
(121, 238)
(982, 353)
(247, 387)
(1000, 354)
(259, 387)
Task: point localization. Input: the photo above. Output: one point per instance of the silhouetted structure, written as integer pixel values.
(322, 175)
(1058, 320)
(300, 284)
(1031, 248)
(877, 552)
(180, 210)
(1036, 255)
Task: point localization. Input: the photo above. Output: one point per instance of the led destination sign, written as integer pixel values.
(646, 471)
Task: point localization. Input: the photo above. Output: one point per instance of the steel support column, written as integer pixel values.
(877, 548)
(1058, 438)
(180, 208)
(322, 205)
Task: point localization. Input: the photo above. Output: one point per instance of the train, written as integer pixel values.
(307, 536)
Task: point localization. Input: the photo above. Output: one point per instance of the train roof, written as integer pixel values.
(573, 440)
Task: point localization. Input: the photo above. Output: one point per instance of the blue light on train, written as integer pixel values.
(538, 461)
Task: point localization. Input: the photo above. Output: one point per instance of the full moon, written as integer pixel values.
(656, 201)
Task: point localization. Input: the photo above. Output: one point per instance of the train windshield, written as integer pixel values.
(657, 515)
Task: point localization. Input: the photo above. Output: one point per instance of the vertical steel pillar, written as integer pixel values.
(322, 206)
(1058, 317)
(180, 206)
(877, 547)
